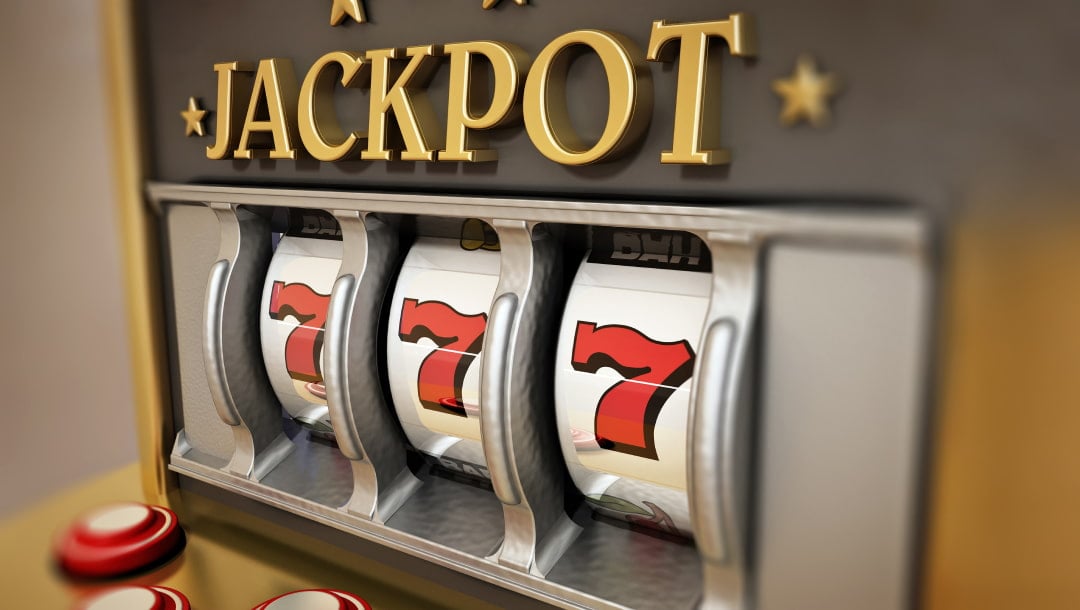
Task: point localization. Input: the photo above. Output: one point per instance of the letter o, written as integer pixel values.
(630, 98)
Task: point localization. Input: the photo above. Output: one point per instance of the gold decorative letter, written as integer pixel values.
(228, 113)
(696, 134)
(462, 113)
(420, 129)
(275, 82)
(547, 119)
(319, 128)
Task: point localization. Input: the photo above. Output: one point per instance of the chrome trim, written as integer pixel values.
(212, 351)
(719, 456)
(494, 407)
(364, 426)
(336, 366)
(708, 446)
(232, 354)
(900, 229)
(516, 406)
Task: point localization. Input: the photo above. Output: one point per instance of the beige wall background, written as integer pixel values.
(67, 403)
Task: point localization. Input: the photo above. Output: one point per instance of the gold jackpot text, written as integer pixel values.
(285, 117)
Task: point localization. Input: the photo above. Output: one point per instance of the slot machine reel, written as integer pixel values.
(464, 395)
(628, 343)
(652, 391)
(293, 313)
(435, 335)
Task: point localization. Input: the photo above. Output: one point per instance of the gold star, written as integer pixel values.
(491, 3)
(806, 93)
(194, 117)
(352, 8)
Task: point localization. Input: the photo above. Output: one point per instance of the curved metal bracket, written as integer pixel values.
(231, 351)
(364, 426)
(719, 456)
(495, 412)
(517, 420)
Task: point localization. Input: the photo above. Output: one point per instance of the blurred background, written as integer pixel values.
(67, 410)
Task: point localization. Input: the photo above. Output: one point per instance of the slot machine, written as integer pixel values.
(539, 304)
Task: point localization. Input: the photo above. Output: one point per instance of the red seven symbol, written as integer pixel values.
(459, 338)
(627, 412)
(304, 343)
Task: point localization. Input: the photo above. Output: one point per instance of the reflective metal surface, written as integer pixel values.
(366, 432)
(720, 426)
(535, 536)
(231, 349)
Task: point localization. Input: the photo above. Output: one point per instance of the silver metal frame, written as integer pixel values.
(363, 426)
(719, 456)
(523, 467)
(230, 336)
(516, 413)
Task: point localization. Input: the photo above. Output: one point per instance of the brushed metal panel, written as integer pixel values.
(192, 235)
(315, 471)
(817, 221)
(452, 514)
(638, 570)
(840, 422)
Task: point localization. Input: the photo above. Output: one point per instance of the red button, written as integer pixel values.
(118, 539)
(352, 602)
(137, 598)
(178, 600)
(315, 599)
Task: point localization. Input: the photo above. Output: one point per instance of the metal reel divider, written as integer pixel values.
(364, 426)
(719, 422)
(235, 372)
(517, 430)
